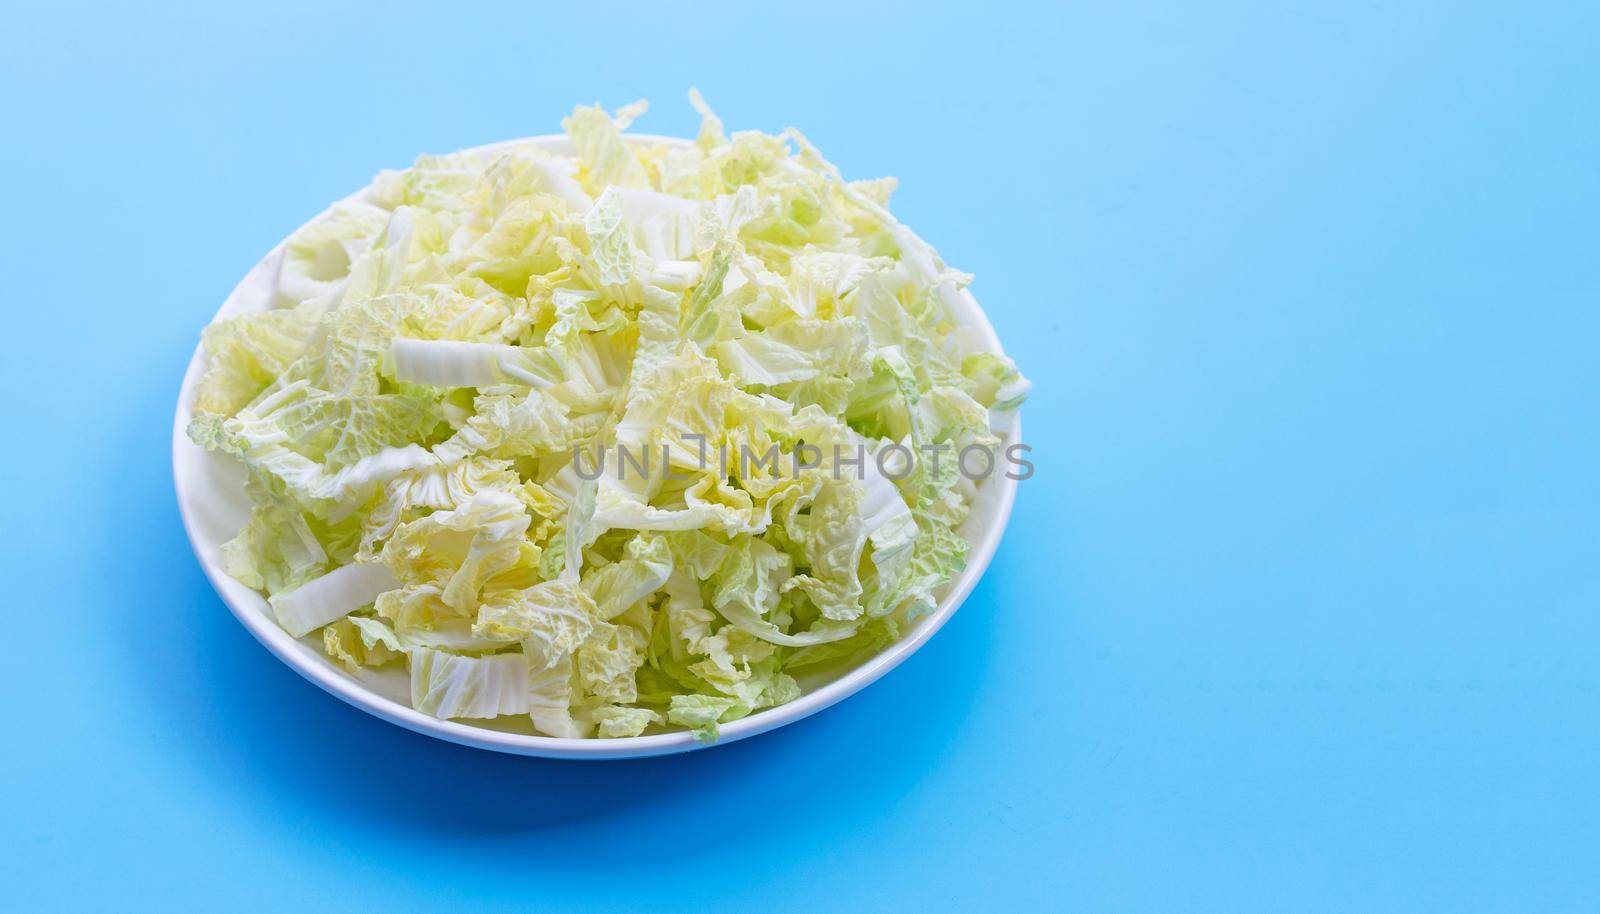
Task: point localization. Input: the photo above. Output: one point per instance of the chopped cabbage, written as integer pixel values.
(759, 349)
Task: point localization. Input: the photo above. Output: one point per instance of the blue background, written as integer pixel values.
(1299, 613)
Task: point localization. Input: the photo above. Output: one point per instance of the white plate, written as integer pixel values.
(214, 507)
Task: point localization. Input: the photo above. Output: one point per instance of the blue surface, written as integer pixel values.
(1299, 613)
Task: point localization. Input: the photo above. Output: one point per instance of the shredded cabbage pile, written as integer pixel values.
(437, 353)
